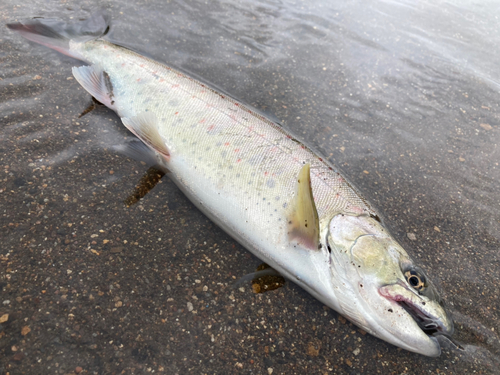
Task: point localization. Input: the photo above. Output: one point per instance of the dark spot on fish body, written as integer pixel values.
(108, 84)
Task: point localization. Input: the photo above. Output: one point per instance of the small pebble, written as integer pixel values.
(78, 370)
(190, 306)
(4, 318)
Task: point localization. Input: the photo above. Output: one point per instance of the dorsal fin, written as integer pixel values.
(145, 127)
(304, 221)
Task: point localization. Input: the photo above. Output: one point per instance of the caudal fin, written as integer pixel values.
(57, 34)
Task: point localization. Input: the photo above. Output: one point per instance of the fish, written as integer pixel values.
(280, 200)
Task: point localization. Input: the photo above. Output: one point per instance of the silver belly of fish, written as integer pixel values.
(271, 193)
(238, 167)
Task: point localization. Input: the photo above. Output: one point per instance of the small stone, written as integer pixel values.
(190, 306)
(18, 356)
(411, 236)
(4, 318)
(270, 370)
(312, 349)
(342, 319)
(437, 229)
(366, 172)
(6, 302)
(105, 241)
(205, 288)
(116, 250)
(119, 304)
(486, 126)
(348, 362)
(78, 369)
(356, 351)
(25, 330)
(461, 159)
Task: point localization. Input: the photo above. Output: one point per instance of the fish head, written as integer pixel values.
(379, 288)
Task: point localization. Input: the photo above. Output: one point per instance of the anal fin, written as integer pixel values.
(97, 83)
(145, 127)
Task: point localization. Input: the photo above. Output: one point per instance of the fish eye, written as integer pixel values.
(416, 280)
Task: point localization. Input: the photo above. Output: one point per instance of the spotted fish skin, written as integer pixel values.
(270, 192)
(239, 167)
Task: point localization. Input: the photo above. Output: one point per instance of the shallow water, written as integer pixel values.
(402, 96)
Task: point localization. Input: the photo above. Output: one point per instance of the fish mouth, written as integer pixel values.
(429, 324)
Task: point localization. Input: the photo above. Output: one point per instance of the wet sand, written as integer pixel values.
(91, 286)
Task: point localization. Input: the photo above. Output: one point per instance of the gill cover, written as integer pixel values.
(380, 289)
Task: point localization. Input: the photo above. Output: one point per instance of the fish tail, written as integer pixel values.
(57, 34)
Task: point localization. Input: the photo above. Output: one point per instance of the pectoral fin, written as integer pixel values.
(304, 221)
(145, 127)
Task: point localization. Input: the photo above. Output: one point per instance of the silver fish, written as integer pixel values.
(276, 197)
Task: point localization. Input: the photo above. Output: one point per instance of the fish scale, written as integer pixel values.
(220, 146)
(267, 190)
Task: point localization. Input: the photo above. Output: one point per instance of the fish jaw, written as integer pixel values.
(246, 190)
(368, 273)
(425, 313)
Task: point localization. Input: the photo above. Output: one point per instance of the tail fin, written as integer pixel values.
(57, 34)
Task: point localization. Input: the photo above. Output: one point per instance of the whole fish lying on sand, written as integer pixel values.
(281, 201)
